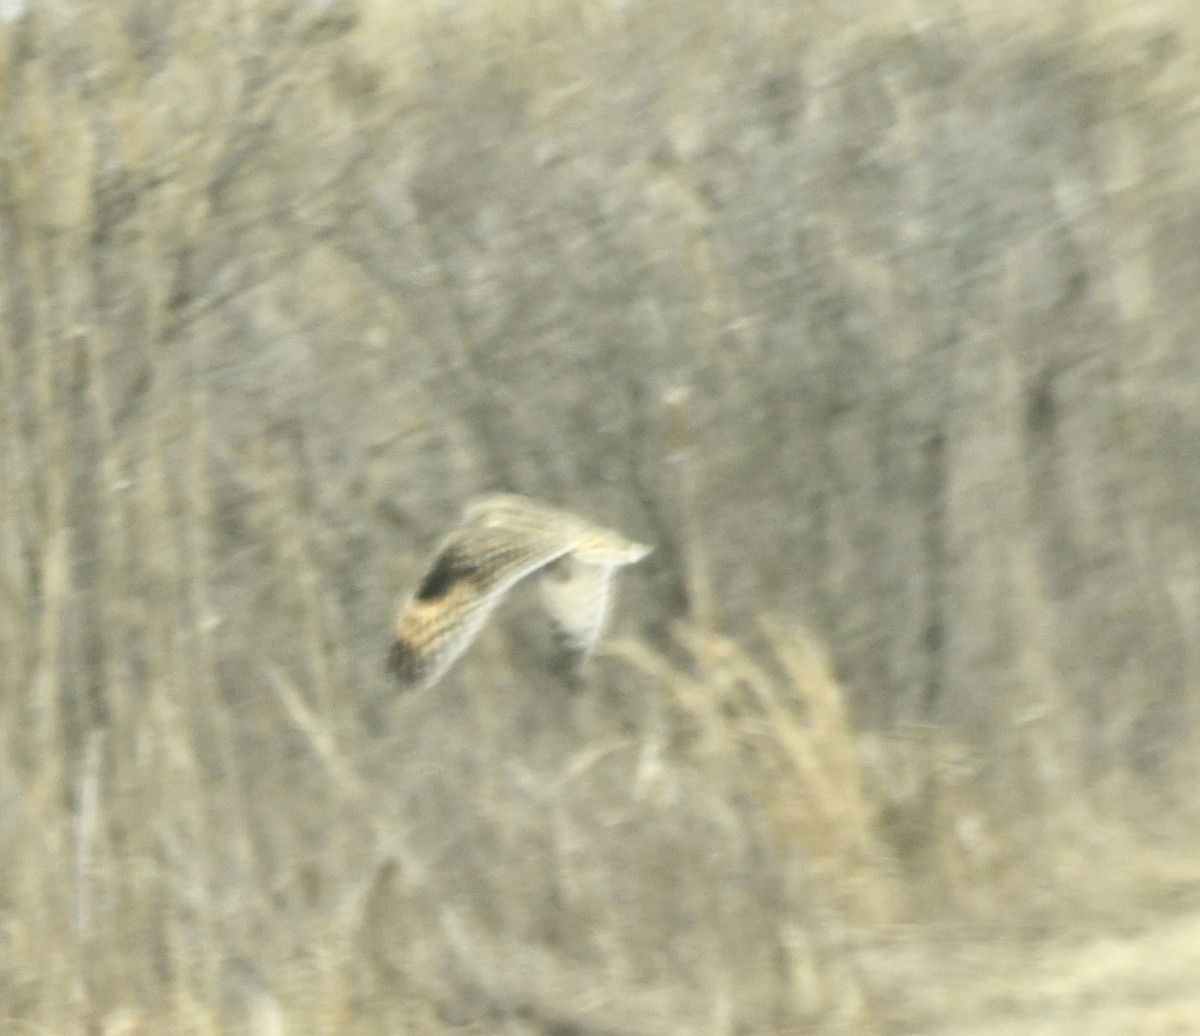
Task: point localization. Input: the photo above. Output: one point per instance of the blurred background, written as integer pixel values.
(878, 320)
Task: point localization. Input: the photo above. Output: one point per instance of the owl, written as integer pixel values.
(500, 540)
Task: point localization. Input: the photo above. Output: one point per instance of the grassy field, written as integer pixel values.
(879, 326)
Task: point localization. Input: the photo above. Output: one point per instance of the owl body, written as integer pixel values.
(500, 541)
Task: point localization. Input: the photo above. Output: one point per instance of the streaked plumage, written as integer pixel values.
(501, 540)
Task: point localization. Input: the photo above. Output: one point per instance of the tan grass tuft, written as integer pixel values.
(781, 724)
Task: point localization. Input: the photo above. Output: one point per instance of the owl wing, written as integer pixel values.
(470, 572)
(577, 596)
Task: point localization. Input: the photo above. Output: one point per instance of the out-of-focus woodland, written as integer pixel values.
(879, 321)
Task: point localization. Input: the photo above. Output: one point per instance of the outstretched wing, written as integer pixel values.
(503, 538)
(470, 572)
(577, 597)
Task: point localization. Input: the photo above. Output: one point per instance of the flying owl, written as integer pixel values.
(500, 540)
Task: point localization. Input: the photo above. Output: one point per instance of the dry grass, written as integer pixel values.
(284, 282)
(787, 739)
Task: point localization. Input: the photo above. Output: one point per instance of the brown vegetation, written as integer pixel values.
(881, 328)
